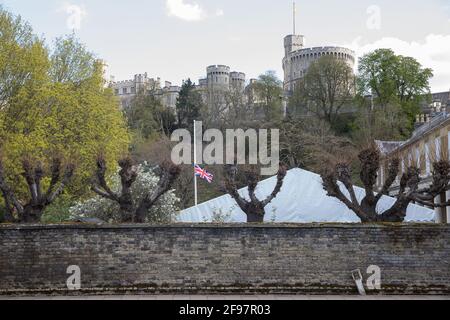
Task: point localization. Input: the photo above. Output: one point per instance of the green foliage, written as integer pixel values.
(55, 104)
(394, 80)
(269, 92)
(383, 123)
(58, 211)
(188, 105)
(23, 57)
(71, 62)
(143, 115)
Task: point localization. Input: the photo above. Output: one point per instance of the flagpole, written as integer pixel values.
(195, 162)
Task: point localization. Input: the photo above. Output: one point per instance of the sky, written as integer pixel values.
(178, 39)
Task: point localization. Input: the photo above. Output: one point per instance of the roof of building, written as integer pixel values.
(387, 147)
(302, 199)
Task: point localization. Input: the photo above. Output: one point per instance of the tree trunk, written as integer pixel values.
(126, 208)
(255, 215)
(370, 208)
(31, 214)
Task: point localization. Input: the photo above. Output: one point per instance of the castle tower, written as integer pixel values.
(237, 80)
(293, 42)
(218, 77)
(297, 59)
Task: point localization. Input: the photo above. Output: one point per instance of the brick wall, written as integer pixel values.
(315, 259)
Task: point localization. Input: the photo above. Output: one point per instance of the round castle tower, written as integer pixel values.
(218, 77)
(237, 80)
(298, 59)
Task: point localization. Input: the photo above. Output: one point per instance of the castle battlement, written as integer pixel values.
(298, 59)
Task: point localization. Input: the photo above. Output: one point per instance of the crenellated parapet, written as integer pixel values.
(298, 59)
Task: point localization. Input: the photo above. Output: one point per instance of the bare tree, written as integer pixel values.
(133, 212)
(325, 89)
(408, 192)
(32, 210)
(254, 209)
(311, 144)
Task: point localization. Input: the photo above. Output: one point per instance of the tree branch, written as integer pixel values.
(280, 178)
(170, 173)
(101, 180)
(331, 186)
(8, 194)
(231, 188)
(392, 175)
(67, 176)
(30, 179)
(343, 175)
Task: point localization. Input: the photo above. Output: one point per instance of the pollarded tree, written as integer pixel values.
(253, 208)
(32, 210)
(408, 192)
(130, 210)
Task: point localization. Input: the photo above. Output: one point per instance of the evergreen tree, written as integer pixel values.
(188, 105)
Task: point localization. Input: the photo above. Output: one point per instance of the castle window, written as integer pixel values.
(124, 91)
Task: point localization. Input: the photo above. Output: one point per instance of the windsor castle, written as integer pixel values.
(220, 78)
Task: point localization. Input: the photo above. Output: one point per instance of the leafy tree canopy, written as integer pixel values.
(54, 103)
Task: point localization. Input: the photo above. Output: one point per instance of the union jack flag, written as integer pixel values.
(203, 174)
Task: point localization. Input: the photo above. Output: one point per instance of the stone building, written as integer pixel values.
(126, 90)
(220, 83)
(440, 102)
(169, 95)
(220, 77)
(430, 141)
(297, 59)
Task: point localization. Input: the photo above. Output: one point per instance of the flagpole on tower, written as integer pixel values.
(195, 162)
(293, 16)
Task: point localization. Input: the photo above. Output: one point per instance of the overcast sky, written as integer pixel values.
(177, 39)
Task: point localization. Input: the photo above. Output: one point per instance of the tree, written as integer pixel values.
(71, 62)
(393, 79)
(71, 114)
(269, 93)
(32, 210)
(253, 208)
(311, 144)
(163, 211)
(238, 108)
(327, 87)
(23, 57)
(189, 104)
(409, 190)
(142, 115)
(387, 123)
(130, 210)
